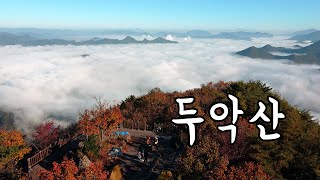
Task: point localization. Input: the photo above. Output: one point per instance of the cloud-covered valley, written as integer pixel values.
(37, 83)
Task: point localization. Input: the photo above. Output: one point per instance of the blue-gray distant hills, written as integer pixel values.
(238, 35)
(313, 36)
(26, 40)
(302, 55)
(241, 35)
(304, 32)
(60, 34)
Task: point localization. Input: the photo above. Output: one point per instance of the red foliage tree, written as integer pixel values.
(239, 149)
(66, 170)
(45, 134)
(249, 171)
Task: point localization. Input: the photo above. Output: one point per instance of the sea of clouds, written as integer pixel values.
(39, 83)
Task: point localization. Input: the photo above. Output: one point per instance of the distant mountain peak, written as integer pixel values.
(162, 40)
(255, 52)
(304, 32)
(267, 46)
(129, 38)
(96, 39)
(303, 55)
(313, 37)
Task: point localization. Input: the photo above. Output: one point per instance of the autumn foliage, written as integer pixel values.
(12, 147)
(45, 134)
(67, 169)
(165, 175)
(94, 171)
(247, 171)
(100, 120)
(295, 155)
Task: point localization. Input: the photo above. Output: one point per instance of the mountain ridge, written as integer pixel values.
(304, 55)
(26, 40)
(313, 37)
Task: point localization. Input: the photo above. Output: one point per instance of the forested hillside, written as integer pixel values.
(295, 155)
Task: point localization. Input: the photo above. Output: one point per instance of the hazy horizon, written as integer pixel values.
(150, 30)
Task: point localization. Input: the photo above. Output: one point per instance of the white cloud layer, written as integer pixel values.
(37, 83)
(170, 37)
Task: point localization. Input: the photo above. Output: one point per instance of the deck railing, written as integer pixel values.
(39, 156)
(35, 159)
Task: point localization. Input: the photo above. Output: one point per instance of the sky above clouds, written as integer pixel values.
(271, 15)
(37, 83)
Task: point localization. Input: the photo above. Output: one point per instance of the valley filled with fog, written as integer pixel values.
(43, 82)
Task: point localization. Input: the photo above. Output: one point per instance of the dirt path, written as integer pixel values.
(134, 168)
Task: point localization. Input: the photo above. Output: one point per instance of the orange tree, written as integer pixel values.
(12, 147)
(100, 119)
(66, 170)
(94, 171)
